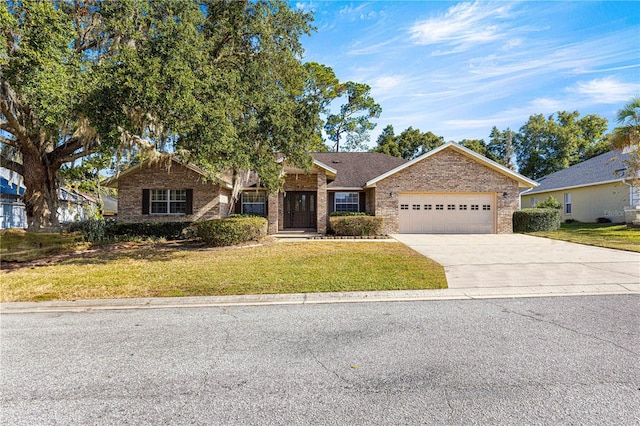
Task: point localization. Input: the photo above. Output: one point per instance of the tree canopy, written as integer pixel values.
(353, 121)
(220, 82)
(547, 144)
(501, 148)
(409, 144)
(627, 137)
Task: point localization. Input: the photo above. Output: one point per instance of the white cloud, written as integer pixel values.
(387, 82)
(357, 12)
(463, 26)
(356, 48)
(306, 6)
(546, 105)
(606, 90)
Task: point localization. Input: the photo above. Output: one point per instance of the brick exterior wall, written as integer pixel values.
(210, 201)
(447, 171)
(370, 206)
(315, 182)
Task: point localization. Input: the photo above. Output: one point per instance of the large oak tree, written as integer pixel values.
(220, 82)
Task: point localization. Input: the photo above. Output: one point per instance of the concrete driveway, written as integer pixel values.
(515, 260)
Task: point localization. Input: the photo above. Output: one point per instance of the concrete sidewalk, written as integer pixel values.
(516, 260)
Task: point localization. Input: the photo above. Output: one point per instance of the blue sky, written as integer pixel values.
(459, 68)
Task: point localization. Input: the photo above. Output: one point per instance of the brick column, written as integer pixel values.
(273, 213)
(321, 204)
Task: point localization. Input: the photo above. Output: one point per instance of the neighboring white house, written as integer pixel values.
(596, 188)
(72, 205)
(12, 210)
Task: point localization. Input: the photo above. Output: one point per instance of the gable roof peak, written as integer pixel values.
(523, 181)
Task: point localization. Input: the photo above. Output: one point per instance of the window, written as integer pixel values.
(462, 207)
(451, 206)
(534, 202)
(634, 195)
(475, 207)
(346, 202)
(439, 206)
(254, 203)
(567, 203)
(486, 207)
(168, 201)
(416, 206)
(427, 206)
(404, 206)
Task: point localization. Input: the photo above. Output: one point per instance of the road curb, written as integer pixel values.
(318, 298)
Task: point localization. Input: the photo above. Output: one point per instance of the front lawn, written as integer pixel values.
(597, 234)
(17, 245)
(162, 270)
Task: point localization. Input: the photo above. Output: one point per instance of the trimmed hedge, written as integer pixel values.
(356, 225)
(533, 220)
(232, 230)
(167, 230)
(338, 214)
(101, 231)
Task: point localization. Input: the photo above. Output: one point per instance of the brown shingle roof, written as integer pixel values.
(354, 169)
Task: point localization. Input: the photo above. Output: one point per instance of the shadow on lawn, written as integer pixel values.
(102, 255)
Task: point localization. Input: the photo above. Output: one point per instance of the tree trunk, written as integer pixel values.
(41, 194)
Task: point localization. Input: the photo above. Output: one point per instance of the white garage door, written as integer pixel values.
(452, 213)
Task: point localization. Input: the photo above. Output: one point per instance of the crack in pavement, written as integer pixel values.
(522, 314)
(207, 372)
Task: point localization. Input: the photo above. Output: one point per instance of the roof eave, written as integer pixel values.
(112, 182)
(583, 185)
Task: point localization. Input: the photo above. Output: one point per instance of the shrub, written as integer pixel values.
(550, 203)
(338, 214)
(166, 230)
(603, 220)
(232, 230)
(246, 215)
(92, 230)
(533, 220)
(356, 225)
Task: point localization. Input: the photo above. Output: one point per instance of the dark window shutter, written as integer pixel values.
(189, 201)
(145, 201)
(331, 201)
(237, 208)
(266, 204)
(362, 200)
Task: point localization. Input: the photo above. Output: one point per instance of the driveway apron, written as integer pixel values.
(515, 260)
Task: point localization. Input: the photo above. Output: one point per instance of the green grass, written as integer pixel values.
(596, 234)
(167, 270)
(20, 246)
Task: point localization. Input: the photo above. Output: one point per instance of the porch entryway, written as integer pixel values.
(300, 210)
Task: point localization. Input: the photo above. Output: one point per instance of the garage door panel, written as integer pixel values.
(446, 213)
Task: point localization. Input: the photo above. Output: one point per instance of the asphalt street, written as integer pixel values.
(558, 360)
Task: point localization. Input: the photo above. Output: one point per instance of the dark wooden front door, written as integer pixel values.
(300, 210)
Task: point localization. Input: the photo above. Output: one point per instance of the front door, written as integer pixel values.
(300, 210)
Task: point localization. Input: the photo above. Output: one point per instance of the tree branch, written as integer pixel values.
(74, 157)
(8, 107)
(10, 142)
(11, 165)
(67, 149)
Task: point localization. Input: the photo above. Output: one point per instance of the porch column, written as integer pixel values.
(321, 207)
(272, 217)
